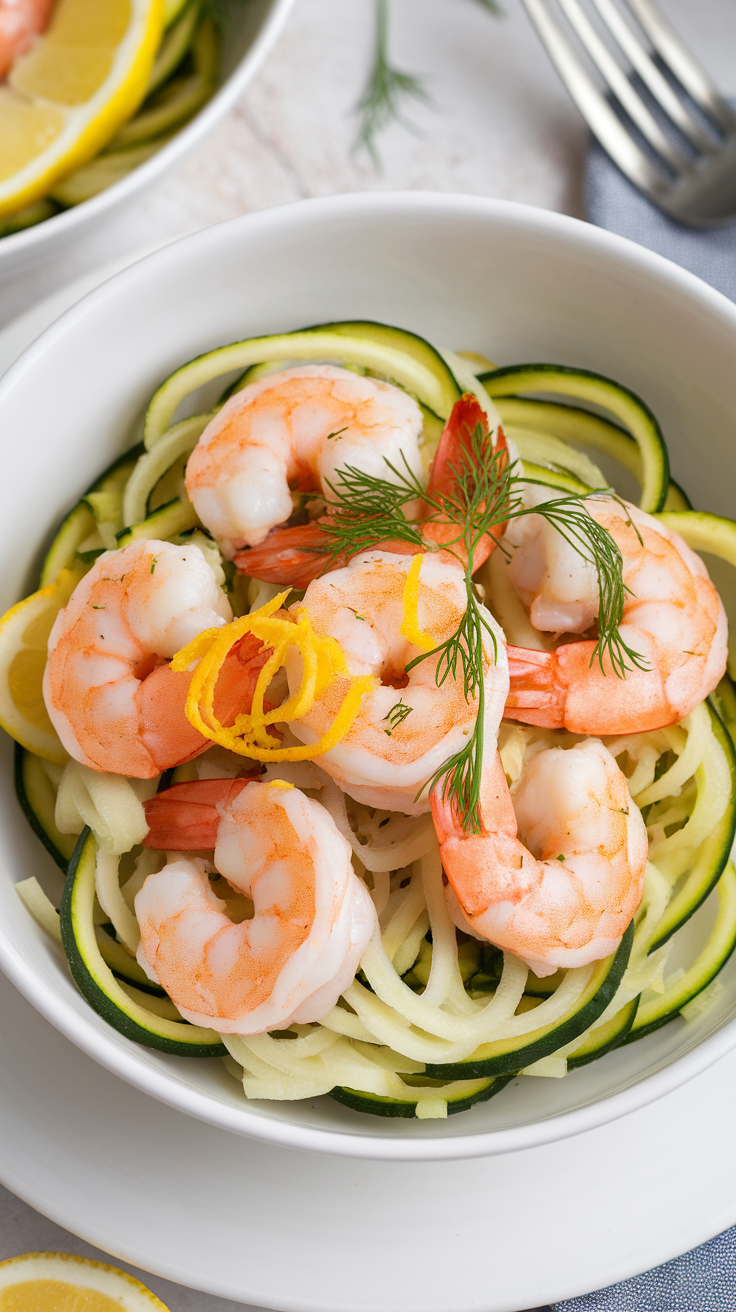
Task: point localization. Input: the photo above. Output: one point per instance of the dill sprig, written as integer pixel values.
(396, 716)
(388, 87)
(484, 492)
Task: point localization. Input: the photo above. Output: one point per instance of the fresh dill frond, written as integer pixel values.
(396, 716)
(387, 87)
(483, 493)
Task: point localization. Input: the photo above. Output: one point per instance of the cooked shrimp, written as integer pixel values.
(297, 554)
(562, 893)
(109, 689)
(672, 617)
(313, 916)
(295, 430)
(408, 726)
(20, 21)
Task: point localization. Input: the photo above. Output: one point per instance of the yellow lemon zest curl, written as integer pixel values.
(323, 663)
(410, 624)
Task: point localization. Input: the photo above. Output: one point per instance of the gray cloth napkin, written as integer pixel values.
(703, 1280)
(612, 202)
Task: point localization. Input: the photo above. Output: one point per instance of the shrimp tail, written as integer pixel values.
(293, 555)
(535, 694)
(454, 450)
(300, 554)
(569, 689)
(185, 817)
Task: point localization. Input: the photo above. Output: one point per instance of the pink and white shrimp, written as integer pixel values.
(557, 874)
(312, 922)
(673, 618)
(20, 22)
(294, 430)
(109, 689)
(297, 555)
(409, 725)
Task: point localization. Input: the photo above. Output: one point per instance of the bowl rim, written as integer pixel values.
(294, 217)
(63, 225)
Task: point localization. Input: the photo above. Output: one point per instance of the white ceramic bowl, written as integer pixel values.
(249, 31)
(514, 283)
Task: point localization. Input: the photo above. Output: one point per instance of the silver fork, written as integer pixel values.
(682, 160)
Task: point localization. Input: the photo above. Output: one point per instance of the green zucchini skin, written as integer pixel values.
(723, 700)
(96, 981)
(511, 1055)
(37, 805)
(378, 1105)
(606, 1037)
(557, 478)
(80, 521)
(412, 362)
(163, 523)
(619, 400)
(653, 1015)
(711, 857)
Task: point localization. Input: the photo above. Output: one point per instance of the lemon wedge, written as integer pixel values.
(60, 1282)
(24, 635)
(67, 96)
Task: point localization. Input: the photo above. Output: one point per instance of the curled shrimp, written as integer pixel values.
(300, 553)
(20, 22)
(414, 720)
(313, 917)
(108, 686)
(557, 873)
(673, 619)
(294, 430)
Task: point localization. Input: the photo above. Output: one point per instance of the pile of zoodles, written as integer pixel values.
(436, 1017)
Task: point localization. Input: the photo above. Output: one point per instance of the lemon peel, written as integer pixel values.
(47, 1282)
(323, 664)
(410, 624)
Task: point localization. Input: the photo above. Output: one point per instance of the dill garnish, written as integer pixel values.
(387, 87)
(483, 493)
(380, 103)
(396, 716)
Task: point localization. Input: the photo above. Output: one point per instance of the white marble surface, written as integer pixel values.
(502, 126)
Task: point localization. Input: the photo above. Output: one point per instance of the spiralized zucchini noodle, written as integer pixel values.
(435, 1018)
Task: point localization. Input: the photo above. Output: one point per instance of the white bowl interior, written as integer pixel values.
(513, 283)
(247, 33)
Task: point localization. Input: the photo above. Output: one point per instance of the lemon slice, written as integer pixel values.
(68, 96)
(60, 1282)
(24, 635)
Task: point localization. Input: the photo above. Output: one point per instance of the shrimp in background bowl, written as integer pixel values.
(20, 22)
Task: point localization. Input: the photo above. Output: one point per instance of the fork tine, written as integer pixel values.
(621, 87)
(651, 76)
(682, 63)
(594, 107)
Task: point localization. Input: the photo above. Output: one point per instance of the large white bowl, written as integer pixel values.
(250, 29)
(517, 284)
